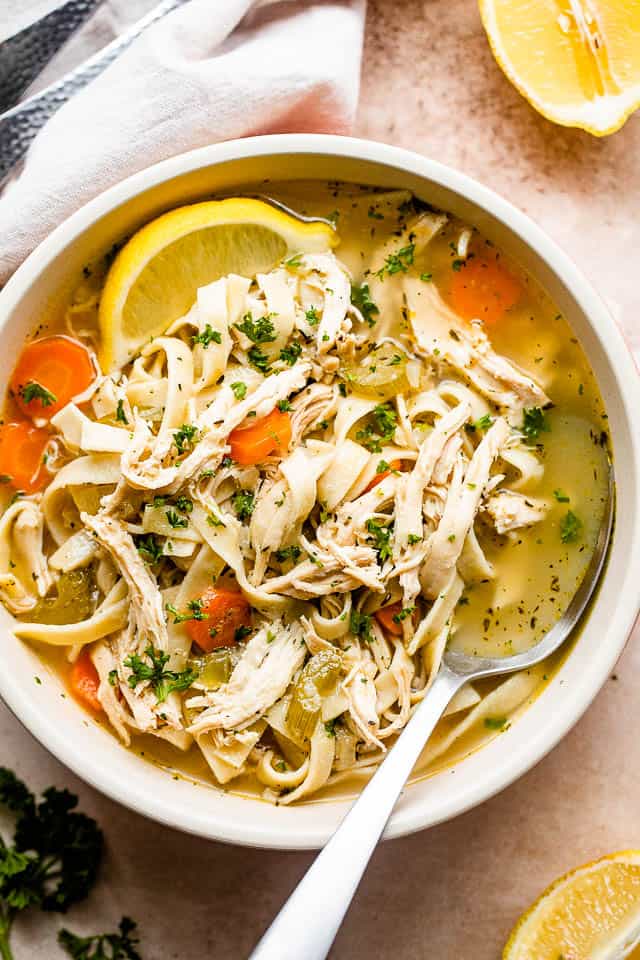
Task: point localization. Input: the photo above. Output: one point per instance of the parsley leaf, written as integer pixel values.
(312, 317)
(259, 360)
(35, 391)
(148, 548)
(360, 298)
(258, 331)
(570, 527)
(382, 430)
(534, 423)
(243, 503)
(103, 946)
(208, 335)
(195, 612)
(360, 625)
(398, 262)
(288, 553)
(185, 438)
(404, 613)
(121, 416)
(482, 424)
(284, 405)
(239, 390)
(381, 536)
(175, 521)
(290, 353)
(162, 681)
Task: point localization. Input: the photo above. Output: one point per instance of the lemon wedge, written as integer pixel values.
(576, 61)
(592, 913)
(155, 277)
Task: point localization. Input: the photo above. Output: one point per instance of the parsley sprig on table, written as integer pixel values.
(103, 946)
(54, 858)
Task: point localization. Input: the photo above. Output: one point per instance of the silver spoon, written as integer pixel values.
(310, 919)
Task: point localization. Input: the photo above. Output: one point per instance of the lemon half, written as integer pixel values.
(155, 277)
(576, 61)
(592, 913)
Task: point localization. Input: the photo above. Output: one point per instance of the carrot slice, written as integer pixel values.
(224, 612)
(484, 289)
(385, 616)
(21, 455)
(84, 681)
(49, 373)
(253, 444)
(379, 477)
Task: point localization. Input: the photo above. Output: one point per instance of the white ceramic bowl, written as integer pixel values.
(46, 277)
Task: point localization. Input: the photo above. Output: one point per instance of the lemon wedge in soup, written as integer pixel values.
(155, 277)
(592, 913)
(576, 61)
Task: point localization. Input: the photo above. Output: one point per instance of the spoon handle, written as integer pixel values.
(309, 921)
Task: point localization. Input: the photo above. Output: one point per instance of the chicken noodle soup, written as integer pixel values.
(270, 468)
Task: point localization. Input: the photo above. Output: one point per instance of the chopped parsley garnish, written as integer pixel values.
(35, 391)
(243, 503)
(103, 946)
(413, 538)
(482, 424)
(381, 430)
(398, 262)
(208, 335)
(360, 298)
(241, 632)
(383, 466)
(195, 612)
(148, 548)
(239, 390)
(258, 331)
(294, 262)
(561, 496)
(185, 438)
(184, 505)
(381, 536)
(283, 405)
(570, 527)
(495, 723)
(426, 277)
(312, 317)
(163, 681)
(330, 727)
(457, 264)
(259, 360)
(360, 625)
(288, 553)
(534, 423)
(404, 613)
(175, 520)
(121, 416)
(373, 213)
(291, 352)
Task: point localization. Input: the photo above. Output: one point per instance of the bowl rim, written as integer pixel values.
(611, 342)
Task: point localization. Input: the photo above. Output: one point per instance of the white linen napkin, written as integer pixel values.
(211, 70)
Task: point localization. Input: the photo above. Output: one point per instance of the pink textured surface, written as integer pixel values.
(452, 893)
